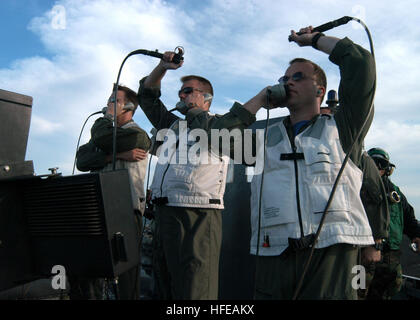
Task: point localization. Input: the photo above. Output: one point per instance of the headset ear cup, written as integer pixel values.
(129, 106)
(208, 97)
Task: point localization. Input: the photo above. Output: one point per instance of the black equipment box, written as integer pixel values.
(85, 223)
(15, 115)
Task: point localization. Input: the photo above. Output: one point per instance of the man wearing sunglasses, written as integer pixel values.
(386, 276)
(304, 153)
(188, 196)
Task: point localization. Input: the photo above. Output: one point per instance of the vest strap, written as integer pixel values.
(292, 156)
(162, 200)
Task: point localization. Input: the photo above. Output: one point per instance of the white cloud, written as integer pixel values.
(43, 127)
(394, 136)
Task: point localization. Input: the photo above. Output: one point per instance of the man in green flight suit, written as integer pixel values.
(187, 194)
(131, 154)
(387, 275)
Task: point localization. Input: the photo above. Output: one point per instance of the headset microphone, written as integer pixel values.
(207, 97)
(182, 107)
(103, 111)
(129, 107)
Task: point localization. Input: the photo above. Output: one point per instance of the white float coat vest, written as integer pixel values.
(311, 182)
(180, 180)
(136, 174)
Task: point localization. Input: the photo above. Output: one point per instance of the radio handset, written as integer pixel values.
(182, 107)
(277, 96)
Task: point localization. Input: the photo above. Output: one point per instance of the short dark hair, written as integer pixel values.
(130, 95)
(319, 74)
(206, 83)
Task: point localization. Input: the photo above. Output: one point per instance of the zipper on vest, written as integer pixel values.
(167, 168)
(163, 179)
(297, 192)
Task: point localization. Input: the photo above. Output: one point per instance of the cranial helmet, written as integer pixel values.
(378, 153)
(381, 158)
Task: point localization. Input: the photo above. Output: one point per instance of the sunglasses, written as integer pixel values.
(187, 90)
(297, 76)
(382, 164)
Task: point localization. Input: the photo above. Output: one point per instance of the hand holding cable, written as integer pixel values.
(304, 37)
(167, 61)
(310, 37)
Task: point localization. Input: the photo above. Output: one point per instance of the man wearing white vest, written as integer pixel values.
(305, 151)
(188, 195)
(304, 154)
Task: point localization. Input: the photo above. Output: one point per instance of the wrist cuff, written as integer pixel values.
(316, 38)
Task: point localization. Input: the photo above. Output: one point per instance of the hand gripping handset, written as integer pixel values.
(277, 95)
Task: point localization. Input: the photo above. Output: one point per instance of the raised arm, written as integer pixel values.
(149, 94)
(357, 84)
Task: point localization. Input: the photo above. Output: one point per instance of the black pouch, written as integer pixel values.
(301, 243)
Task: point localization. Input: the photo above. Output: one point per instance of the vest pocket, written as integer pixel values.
(338, 212)
(278, 205)
(208, 179)
(320, 159)
(179, 176)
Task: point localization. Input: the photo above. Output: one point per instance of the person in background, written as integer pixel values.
(375, 202)
(387, 274)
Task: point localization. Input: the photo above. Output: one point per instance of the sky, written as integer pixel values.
(66, 54)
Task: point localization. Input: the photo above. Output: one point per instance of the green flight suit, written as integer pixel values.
(91, 157)
(387, 275)
(187, 240)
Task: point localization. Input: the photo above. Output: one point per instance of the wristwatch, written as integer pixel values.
(315, 39)
(378, 246)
